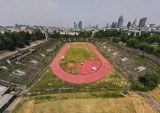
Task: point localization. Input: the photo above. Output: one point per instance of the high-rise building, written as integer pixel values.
(129, 25)
(134, 25)
(89, 26)
(97, 26)
(120, 21)
(114, 25)
(75, 25)
(80, 25)
(107, 26)
(142, 22)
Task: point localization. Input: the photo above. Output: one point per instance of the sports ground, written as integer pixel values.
(85, 73)
(103, 94)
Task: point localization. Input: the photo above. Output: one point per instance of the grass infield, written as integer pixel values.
(77, 54)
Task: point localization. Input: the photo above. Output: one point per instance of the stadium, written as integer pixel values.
(79, 56)
(101, 70)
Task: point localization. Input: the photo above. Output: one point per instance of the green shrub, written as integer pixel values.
(146, 83)
(138, 86)
(150, 80)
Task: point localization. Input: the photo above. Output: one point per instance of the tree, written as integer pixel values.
(116, 39)
(124, 39)
(9, 41)
(1, 46)
(146, 47)
(133, 43)
(157, 52)
(150, 80)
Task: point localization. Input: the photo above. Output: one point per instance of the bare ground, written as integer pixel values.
(155, 94)
(27, 107)
(132, 103)
(151, 100)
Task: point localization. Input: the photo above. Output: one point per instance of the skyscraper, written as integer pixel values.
(107, 26)
(97, 26)
(89, 26)
(142, 22)
(80, 25)
(114, 25)
(75, 25)
(129, 25)
(134, 25)
(120, 21)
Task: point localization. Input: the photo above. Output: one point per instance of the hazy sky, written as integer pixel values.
(65, 12)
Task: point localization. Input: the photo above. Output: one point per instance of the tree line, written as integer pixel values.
(81, 34)
(11, 41)
(148, 42)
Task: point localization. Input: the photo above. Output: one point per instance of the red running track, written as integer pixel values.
(80, 79)
(85, 67)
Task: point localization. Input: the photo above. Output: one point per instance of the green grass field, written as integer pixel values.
(77, 54)
(80, 53)
(49, 83)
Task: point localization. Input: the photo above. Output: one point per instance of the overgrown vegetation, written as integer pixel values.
(147, 42)
(150, 80)
(25, 65)
(147, 82)
(11, 41)
(50, 83)
(82, 95)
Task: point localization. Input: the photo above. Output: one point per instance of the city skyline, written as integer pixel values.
(64, 13)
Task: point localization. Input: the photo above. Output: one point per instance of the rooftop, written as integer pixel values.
(3, 89)
(5, 99)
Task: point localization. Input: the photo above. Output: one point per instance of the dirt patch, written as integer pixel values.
(155, 94)
(27, 107)
(70, 65)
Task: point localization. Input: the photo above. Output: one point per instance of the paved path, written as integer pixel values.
(13, 105)
(80, 79)
(153, 102)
